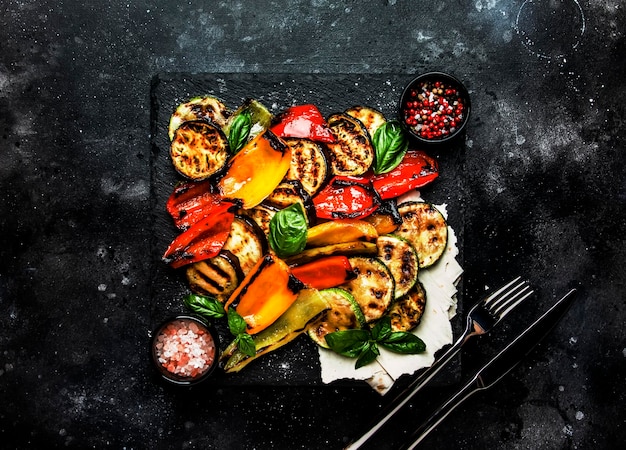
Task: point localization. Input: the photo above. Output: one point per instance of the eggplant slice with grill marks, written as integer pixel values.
(353, 153)
(199, 149)
(217, 277)
(247, 242)
(309, 164)
(208, 109)
(371, 118)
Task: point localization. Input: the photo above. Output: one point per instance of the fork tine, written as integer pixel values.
(527, 293)
(505, 297)
(496, 294)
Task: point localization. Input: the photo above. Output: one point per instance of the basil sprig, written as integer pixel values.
(208, 307)
(211, 308)
(239, 131)
(363, 343)
(243, 340)
(288, 231)
(390, 144)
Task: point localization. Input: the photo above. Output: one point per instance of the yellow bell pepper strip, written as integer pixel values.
(325, 273)
(253, 173)
(341, 230)
(203, 240)
(285, 329)
(265, 293)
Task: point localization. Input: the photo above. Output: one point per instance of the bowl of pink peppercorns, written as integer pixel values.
(434, 108)
(185, 350)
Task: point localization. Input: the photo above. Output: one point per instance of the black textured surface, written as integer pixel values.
(544, 196)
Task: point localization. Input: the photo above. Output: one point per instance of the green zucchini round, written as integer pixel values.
(424, 226)
(344, 314)
(400, 256)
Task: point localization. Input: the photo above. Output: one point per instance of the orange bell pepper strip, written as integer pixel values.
(255, 171)
(265, 293)
(325, 273)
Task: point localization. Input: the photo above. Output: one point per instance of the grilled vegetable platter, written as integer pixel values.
(286, 225)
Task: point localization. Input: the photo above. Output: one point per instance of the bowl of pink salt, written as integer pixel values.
(185, 350)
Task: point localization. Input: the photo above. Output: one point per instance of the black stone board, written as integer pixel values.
(296, 363)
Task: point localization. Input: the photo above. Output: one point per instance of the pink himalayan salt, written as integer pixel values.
(185, 349)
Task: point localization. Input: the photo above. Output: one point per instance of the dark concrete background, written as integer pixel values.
(545, 196)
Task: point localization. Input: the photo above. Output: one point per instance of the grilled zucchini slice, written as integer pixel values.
(425, 227)
(371, 118)
(373, 288)
(309, 164)
(353, 153)
(208, 109)
(260, 117)
(217, 277)
(247, 242)
(199, 149)
(400, 256)
(344, 314)
(406, 312)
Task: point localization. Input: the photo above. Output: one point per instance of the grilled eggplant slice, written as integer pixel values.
(289, 192)
(406, 312)
(262, 215)
(344, 314)
(371, 118)
(353, 153)
(199, 149)
(309, 164)
(208, 109)
(373, 288)
(247, 242)
(217, 277)
(400, 256)
(344, 248)
(425, 227)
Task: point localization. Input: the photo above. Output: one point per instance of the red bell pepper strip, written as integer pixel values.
(417, 169)
(202, 240)
(190, 202)
(325, 273)
(346, 198)
(303, 121)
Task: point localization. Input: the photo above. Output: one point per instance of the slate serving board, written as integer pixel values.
(296, 363)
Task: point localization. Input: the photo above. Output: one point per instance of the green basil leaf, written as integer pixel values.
(288, 231)
(369, 354)
(390, 144)
(239, 131)
(403, 342)
(236, 323)
(205, 306)
(348, 343)
(246, 344)
(381, 329)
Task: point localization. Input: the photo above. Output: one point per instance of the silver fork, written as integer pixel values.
(481, 319)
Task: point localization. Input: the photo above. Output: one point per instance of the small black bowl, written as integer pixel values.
(434, 108)
(200, 355)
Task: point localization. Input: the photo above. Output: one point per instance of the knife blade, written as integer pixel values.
(499, 366)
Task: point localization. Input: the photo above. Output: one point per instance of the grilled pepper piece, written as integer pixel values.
(416, 170)
(303, 121)
(325, 273)
(265, 293)
(285, 329)
(202, 240)
(337, 231)
(190, 202)
(346, 198)
(254, 172)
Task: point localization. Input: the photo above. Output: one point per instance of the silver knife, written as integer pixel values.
(498, 367)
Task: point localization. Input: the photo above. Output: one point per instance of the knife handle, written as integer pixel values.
(441, 413)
